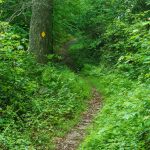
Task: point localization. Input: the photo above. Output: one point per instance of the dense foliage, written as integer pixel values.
(124, 121)
(110, 45)
(37, 101)
(115, 32)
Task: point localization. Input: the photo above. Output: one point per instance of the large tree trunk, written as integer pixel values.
(40, 40)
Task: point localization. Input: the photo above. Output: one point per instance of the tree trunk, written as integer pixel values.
(40, 38)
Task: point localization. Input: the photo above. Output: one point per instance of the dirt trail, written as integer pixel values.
(72, 140)
(67, 60)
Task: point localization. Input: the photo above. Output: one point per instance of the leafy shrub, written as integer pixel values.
(37, 101)
(124, 121)
(136, 63)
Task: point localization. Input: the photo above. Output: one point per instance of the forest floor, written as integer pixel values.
(72, 140)
(63, 52)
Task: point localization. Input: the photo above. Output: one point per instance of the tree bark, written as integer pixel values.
(40, 38)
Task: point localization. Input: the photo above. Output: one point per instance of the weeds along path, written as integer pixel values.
(72, 140)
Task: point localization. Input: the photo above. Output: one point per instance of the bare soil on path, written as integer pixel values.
(72, 140)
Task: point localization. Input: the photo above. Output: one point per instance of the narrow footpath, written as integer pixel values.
(73, 139)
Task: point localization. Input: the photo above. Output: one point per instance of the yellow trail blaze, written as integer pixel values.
(43, 34)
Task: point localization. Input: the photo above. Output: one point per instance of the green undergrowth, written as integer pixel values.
(37, 102)
(124, 121)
